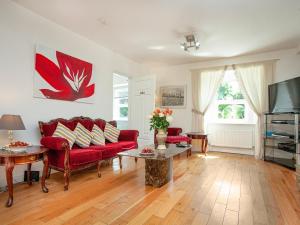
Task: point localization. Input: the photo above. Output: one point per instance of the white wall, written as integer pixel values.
(288, 66)
(20, 31)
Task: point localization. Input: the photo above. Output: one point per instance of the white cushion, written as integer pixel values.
(84, 136)
(97, 136)
(64, 132)
(111, 133)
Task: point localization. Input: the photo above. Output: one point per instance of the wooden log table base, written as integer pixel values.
(158, 167)
(158, 172)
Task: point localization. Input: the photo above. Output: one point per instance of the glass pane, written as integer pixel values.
(123, 101)
(231, 111)
(123, 112)
(229, 88)
(229, 91)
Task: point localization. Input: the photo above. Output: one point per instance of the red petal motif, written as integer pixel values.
(70, 79)
(50, 72)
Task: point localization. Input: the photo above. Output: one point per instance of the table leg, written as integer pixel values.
(9, 167)
(205, 145)
(45, 173)
(120, 161)
(99, 167)
(135, 159)
(29, 179)
(202, 145)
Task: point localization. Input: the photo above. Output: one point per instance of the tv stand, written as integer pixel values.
(281, 140)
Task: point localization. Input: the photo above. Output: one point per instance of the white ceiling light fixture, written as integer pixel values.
(191, 42)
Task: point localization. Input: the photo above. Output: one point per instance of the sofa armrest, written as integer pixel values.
(55, 143)
(128, 135)
(174, 131)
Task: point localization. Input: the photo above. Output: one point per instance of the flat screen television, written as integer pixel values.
(285, 96)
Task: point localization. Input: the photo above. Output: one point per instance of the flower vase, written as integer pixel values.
(161, 138)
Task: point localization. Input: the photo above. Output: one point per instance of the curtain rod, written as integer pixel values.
(232, 65)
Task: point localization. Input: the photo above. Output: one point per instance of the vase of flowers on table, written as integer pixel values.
(160, 120)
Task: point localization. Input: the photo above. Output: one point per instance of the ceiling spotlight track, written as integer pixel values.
(191, 42)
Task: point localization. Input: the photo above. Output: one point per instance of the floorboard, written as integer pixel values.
(220, 188)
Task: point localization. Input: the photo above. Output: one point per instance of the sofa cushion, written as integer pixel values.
(109, 150)
(49, 128)
(177, 139)
(126, 145)
(84, 156)
(64, 132)
(100, 123)
(84, 136)
(111, 133)
(86, 122)
(97, 136)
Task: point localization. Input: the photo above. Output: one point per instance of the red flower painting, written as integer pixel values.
(70, 79)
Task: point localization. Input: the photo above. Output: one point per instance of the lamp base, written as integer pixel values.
(10, 136)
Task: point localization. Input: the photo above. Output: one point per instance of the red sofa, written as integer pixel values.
(66, 160)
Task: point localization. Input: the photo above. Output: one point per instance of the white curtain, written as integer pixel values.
(254, 80)
(205, 84)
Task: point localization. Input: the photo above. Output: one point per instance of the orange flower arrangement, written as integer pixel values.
(161, 118)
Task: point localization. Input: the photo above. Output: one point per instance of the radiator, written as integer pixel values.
(231, 135)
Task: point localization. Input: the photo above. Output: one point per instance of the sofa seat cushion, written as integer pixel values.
(78, 157)
(126, 145)
(84, 156)
(178, 139)
(109, 150)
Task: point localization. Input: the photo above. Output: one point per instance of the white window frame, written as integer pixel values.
(212, 114)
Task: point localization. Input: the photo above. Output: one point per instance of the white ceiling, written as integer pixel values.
(150, 31)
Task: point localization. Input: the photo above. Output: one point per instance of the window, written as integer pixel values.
(230, 105)
(120, 95)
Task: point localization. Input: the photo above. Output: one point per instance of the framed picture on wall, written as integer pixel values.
(62, 77)
(173, 96)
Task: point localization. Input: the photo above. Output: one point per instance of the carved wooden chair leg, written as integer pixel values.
(120, 161)
(49, 173)
(67, 179)
(99, 167)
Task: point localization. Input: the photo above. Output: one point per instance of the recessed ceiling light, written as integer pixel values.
(102, 21)
(158, 47)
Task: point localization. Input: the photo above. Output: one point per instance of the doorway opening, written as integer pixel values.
(120, 100)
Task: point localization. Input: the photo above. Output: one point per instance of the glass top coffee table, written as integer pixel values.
(158, 167)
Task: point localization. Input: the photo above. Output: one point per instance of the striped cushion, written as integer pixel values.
(97, 136)
(111, 133)
(64, 132)
(84, 136)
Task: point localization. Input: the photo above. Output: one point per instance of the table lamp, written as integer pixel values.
(11, 123)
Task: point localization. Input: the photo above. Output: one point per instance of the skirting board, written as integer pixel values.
(244, 151)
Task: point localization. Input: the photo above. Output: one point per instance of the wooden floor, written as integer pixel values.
(217, 189)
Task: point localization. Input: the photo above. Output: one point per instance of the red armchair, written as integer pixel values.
(174, 137)
(65, 159)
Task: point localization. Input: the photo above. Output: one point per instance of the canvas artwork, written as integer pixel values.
(62, 77)
(173, 96)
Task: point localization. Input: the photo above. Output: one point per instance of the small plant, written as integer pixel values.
(160, 119)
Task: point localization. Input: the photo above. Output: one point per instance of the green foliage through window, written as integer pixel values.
(231, 111)
(227, 92)
(123, 112)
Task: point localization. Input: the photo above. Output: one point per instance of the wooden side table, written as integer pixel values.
(32, 154)
(200, 136)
